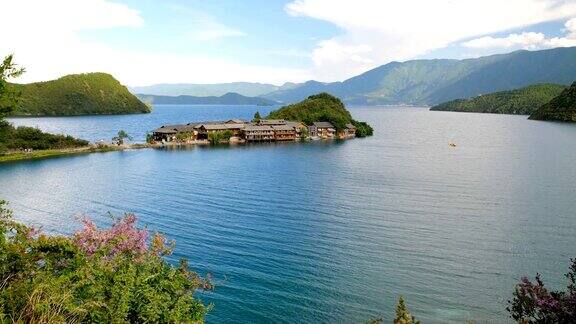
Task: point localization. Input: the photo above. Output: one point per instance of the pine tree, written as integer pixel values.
(403, 315)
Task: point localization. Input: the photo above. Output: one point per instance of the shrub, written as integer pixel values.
(16, 138)
(534, 303)
(98, 275)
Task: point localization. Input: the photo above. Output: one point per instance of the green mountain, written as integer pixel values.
(561, 108)
(522, 101)
(206, 90)
(77, 94)
(226, 99)
(321, 107)
(430, 82)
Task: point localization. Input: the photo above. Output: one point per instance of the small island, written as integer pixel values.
(320, 116)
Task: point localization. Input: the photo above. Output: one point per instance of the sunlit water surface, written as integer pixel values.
(332, 232)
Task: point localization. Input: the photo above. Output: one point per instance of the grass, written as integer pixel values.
(45, 154)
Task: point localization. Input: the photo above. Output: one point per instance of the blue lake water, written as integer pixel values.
(333, 232)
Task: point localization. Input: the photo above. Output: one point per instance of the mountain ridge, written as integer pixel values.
(230, 98)
(430, 82)
(248, 89)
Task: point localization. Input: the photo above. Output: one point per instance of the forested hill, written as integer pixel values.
(321, 107)
(226, 99)
(430, 82)
(77, 94)
(522, 101)
(561, 108)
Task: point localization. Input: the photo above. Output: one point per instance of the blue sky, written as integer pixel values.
(190, 41)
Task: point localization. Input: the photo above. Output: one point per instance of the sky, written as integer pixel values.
(143, 42)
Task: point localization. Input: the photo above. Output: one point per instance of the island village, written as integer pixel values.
(241, 131)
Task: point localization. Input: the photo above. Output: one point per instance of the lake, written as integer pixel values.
(332, 231)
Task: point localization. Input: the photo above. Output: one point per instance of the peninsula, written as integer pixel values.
(320, 116)
(76, 94)
(561, 108)
(523, 101)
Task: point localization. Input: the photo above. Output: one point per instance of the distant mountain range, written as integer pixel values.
(226, 99)
(416, 82)
(430, 82)
(523, 101)
(206, 90)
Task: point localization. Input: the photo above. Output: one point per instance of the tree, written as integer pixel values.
(8, 97)
(122, 135)
(257, 117)
(403, 315)
(534, 303)
(149, 138)
(304, 133)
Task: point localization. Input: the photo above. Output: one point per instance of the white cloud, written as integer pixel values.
(215, 31)
(530, 41)
(400, 30)
(202, 26)
(49, 43)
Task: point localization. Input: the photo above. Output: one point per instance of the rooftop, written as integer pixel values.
(252, 128)
(323, 125)
(272, 122)
(221, 126)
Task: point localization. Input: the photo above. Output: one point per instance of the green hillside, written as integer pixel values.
(522, 101)
(561, 108)
(321, 107)
(77, 94)
(430, 82)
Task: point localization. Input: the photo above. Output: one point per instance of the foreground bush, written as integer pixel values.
(98, 275)
(534, 303)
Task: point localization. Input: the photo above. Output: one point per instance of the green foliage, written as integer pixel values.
(47, 279)
(220, 136)
(522, 101)
(403, 315)
(12, 138)
(304, 133)
(257, 117)
(120, 137)
(77, 94)
(8, 96)
(363, 129)
(149, 138)
(320, 107)
(561, 108)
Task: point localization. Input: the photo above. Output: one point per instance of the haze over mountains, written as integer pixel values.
(416, 82)
(429, 82)
(229, 98)
(247, 89)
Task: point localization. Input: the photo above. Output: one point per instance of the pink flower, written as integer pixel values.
(122, 238)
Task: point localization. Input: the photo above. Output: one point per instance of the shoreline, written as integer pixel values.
(55, 153)
(19, 156)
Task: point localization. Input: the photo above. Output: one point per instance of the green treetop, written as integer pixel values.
(8, 97)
